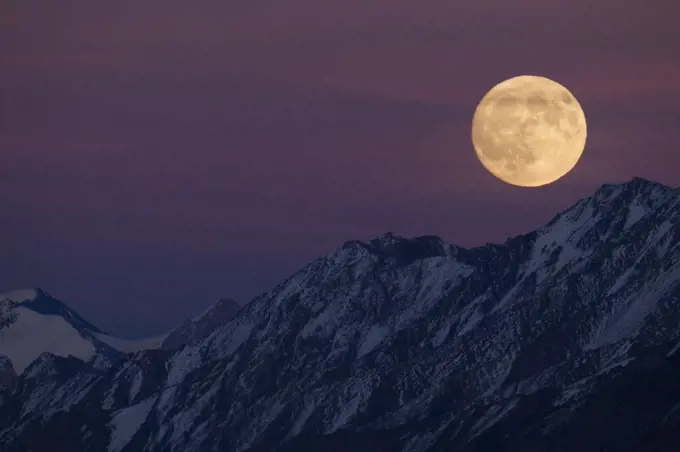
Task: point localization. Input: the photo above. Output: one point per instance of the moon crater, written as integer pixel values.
(529, 131)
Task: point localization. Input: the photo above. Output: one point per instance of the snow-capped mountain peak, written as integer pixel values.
(32, 323)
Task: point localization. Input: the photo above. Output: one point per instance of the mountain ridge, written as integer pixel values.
(415, 346)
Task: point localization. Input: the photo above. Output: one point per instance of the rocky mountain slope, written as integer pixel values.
(566, 338)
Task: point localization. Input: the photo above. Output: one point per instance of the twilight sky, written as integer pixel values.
(155, 156)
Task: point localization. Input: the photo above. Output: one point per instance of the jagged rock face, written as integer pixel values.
(200, 327)
(415, 345)
(7, 374)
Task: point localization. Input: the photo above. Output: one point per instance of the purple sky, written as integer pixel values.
(155, 156)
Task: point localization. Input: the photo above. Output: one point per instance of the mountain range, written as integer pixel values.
(33, 322)
(565, 338)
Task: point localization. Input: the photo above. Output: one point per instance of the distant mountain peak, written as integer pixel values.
(44, 303)
(226, 302)
(200, 326)
(32, 322)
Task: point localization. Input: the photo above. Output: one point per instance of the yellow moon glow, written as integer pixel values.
(529, 131)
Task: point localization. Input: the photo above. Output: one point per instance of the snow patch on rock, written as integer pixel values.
(126, 422)
(33, 334)
(372, 339)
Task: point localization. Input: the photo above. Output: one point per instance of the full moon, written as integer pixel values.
(529, 131)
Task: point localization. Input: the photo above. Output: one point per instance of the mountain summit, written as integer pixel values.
(202, 325)
(565, 338)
